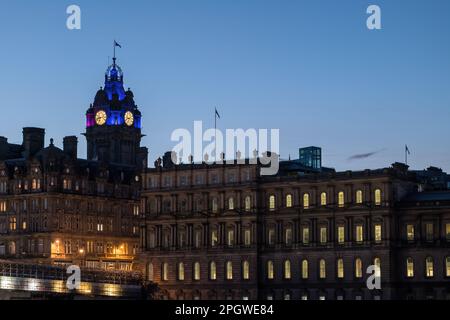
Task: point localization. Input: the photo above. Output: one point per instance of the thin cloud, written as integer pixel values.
(364, 155)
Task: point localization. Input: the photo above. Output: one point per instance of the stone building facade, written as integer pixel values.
(58, 209)
(225, 232)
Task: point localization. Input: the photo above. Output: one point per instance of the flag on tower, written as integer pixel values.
(117, 44)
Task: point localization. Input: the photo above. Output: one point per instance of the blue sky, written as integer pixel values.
(310, 68)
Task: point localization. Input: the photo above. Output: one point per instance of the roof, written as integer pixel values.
(428, 196)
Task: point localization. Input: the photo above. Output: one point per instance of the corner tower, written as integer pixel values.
(113, 122)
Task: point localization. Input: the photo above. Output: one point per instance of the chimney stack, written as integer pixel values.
(71, 146)
(33, 141)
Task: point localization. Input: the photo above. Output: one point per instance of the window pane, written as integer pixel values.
(341, 234)
(410, 232)
(305, 269)
(323, 199)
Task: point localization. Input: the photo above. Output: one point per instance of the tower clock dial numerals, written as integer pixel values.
(129, 118)
(100, 118)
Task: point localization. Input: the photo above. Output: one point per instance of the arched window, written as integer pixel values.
(322, 269)
(214, 205)
(229, 267)
(248, 203)
(377, 197)
(358, 268)
(323, 199)
(287, 269)
(429, 267)
(359, 197)
(409, 267)
(272, 202)
(340, 268)
(447, 266)
(305, 271)
(165, 271)
(306, 201)
(245, 270)
(270, 271)
(150, 273)
(181, 271)
(341, 199)
(289, 201)
(231, 203)
(197, 271)
(212, 271)
(377, 264)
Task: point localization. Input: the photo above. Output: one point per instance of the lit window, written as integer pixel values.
(378, 233)
(359, 233)
(305, 273)
(305, 236)
(341, 199)
(198, 239)
(230, 236)
(377, 264)
(323, 235)
(287, 269)
(197, 271)
(410, 232)
(248, 203)
(447, 231)
(358, 268)
(377, 197)
(322, 269)
(340, 268)
(323, 199)
(3, 206)
(306, 201)
(229, 267)
(429, 232)
(181, 271)
(359, 197)
(447, 266)
(214, 238)
(341, 234)
(214, 205)
(289, 201)
(429, 267)
(231, 204)
(12, 223)
(212, 271)
(270, 272)
(245, 270)
(247, 237)
(165, 271)
(272, 202)
(288, 236)
(409, 268)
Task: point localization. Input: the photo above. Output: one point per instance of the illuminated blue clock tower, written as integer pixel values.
(113, 123)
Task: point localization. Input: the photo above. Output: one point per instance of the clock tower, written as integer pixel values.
(113, 123)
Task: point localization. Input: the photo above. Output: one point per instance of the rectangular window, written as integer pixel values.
(429, 232)
(341, 234)
(214, 238)
(378, 234)
(410, 232)
(359, 233)
(230, 238)
(447, 231)
(323, 235)
(288, 237)
(305, 236)
(271, 237)
(247, 237)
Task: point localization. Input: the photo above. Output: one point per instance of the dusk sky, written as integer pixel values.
(310, 68)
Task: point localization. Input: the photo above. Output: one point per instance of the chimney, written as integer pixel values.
(71, 146)
(4, 148)
(169, 159)
(33, 141)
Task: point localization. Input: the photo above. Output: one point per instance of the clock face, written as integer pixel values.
(100, 118)
(129, 119)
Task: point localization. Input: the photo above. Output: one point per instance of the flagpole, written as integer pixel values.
(215, 133)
